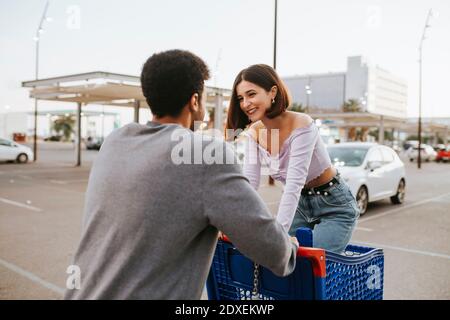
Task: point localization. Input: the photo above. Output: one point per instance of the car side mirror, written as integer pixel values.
(373, 165)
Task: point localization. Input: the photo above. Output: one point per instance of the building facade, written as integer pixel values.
(376, 90)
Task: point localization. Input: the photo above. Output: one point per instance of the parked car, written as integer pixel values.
(12, 151)
(443, 154)
(410, 143)
(372, 171)
(93, 143)
(438, 147)
(53, 138)
(427, 153)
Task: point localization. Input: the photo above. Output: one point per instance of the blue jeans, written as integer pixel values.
(332, 217)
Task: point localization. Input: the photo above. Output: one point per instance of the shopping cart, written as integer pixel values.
(319, 275)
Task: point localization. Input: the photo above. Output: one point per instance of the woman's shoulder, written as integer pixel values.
(254, 128)
(257, 125)
(300, 120)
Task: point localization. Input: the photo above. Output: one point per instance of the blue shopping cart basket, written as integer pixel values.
(319, 275)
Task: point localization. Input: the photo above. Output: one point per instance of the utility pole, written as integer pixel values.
(271, 181)
(37, 38)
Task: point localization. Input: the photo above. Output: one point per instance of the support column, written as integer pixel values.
(78, 140)
(218, 112)
(35, 129)
(137, 105)
(381, 131)
(393, 135)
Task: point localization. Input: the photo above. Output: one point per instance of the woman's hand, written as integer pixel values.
(294, 240)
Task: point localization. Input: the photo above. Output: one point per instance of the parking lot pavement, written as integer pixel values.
(40, 220)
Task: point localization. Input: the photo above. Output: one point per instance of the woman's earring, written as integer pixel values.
(273, 100)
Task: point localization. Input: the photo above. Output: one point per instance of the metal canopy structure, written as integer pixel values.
(112, 89)
(365, 119)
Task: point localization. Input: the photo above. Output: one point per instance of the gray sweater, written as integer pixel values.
(150, 224)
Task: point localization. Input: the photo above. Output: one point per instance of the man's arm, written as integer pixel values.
(234, 207)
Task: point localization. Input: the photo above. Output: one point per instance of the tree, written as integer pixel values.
(351, 105)
(351, 134)
(388, 136)
(64, 124)
(211, 112)
(298, 107)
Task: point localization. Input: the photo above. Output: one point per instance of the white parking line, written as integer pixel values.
(363, 229)
(68, 181)
(32, 277)
(44, 170)
(25, 177)
(404, 207)
(383, 246)
(18, 204)
(58, 181)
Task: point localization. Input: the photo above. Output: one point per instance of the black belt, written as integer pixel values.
(320, 190)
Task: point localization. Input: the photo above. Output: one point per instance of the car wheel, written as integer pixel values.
(22, 158)
(411, 160)
(399, 198)
(362, 199)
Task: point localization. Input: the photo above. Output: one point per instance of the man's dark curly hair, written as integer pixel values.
(170, 78)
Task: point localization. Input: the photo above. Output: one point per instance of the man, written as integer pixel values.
(150, 224)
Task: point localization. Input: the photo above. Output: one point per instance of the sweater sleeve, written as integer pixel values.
(234, 207)
(301, 149)
(252, 163)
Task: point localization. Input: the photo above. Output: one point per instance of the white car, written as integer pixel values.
(372, 171)
(427, 153)
(11, 151)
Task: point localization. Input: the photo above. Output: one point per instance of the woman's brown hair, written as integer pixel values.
(266, 77)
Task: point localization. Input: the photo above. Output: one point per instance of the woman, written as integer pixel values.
(314, 195)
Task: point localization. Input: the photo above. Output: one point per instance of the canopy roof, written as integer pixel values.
(100, 88)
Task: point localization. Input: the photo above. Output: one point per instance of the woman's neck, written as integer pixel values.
(274, 123)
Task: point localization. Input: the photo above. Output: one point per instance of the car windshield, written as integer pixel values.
(347, 156)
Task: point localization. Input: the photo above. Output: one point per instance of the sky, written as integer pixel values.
(313, 37)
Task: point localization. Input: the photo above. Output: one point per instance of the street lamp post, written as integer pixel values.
(39, 31)
(308, 93)
(427, 25)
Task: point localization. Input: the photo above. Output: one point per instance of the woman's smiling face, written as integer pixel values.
(254, 100)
